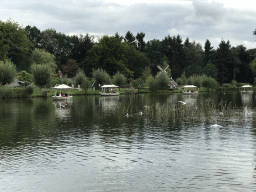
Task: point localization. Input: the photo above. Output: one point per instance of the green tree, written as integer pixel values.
(146, 73)
(7, 72)
(79, 78)
(225, 64)
(40, 56)
(130, 39)
(101, 77)
(119, 79)
(241, 71)
(183, 78)
(86, 84)
(13, 38)
(4, 48)
(152, 84)
(34, 35)
(162, 81)
(207, 51)
(42, 74)
(118, 36)
(81, 45)
(109, 54)
(154, 54)
(210, 83)
(173, 48)
(253, 67)
(136, 61)
(210, 70)
(25, 76)
(55, 79)
(138, 83)
(141, 43)
(194, 59)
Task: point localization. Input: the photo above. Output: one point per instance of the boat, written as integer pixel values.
(61, 96)
(190, 90)
(246, 89)
(108, 90)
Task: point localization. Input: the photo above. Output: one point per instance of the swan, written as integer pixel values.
(184, 103)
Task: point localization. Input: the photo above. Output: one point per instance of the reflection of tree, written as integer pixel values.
(26, 120)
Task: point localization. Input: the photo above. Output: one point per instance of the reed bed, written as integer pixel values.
(222, 114)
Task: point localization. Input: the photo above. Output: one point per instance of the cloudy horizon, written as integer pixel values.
(197, 20)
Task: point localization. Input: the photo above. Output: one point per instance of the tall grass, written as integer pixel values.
(7, 92)
(222, 113)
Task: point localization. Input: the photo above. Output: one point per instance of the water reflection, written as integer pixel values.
(109, 103)
(63, 109)
(91, 145)
(246, 98)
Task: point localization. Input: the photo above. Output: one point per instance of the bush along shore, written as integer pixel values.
(34, 91)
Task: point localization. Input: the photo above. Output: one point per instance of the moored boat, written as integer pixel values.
(190, 90)
(61, 95)
(108, 90)
(246, 89)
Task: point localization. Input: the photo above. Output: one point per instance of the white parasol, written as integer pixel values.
(62, 86)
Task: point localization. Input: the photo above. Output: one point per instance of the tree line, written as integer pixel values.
(129, 55)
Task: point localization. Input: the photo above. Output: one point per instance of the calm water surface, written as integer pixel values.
(106, 144)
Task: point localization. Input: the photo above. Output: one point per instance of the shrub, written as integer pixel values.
(8, 72)
(138, 83)
(42, 74)
(28, 90)
(80, 77)
(179, 81)
(152, 83)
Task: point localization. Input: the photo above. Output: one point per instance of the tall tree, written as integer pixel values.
(118, 36)
(13, 38)
(207, 51)
(242, 71)
(40, 56)
(154, 54)
(130, 39)
(173, 48)
(210, 70)
(193, 59)
(81, 45)
(141, 43)
(113, 55)
(34, 35)
(224, 62)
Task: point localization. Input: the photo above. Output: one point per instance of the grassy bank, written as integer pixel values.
(29, 91)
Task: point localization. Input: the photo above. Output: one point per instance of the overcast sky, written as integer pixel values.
(196, 19)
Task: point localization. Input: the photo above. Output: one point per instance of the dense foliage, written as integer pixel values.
(128, 54)
(7, 72)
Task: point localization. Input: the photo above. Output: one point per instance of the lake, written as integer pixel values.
(148, 142)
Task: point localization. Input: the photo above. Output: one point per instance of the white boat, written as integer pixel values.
(59, 96)
(190, 90)
(246, 89)
(108, 90)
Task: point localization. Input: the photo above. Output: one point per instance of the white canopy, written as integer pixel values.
(109, 86)
(246, 86)
(62, 86)
(190, 86)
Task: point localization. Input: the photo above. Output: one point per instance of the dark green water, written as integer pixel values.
(106, 144)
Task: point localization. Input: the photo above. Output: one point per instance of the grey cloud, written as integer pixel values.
(208, 11)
